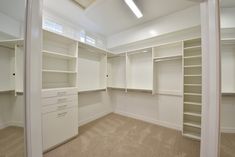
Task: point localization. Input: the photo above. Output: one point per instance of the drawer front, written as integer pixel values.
(59, 100)
(59, 92)
(58, 107)
(59, 126)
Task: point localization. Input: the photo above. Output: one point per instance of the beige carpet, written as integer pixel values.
(118, 136)
(12, 142)
(227, 145)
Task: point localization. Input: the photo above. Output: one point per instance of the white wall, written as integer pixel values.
(158, 109)
(11, 110)
(93, 105)
(4, 108)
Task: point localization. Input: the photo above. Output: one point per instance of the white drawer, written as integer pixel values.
(59, 92)
(58, 107)
(59, 100)
(59, 126)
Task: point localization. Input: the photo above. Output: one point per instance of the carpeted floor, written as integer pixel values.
(12, 142)
(118, 136)
(227, 145)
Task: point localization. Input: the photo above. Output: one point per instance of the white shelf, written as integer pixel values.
(228, 93)
(191, 57)
(192, 114)
(193, 85)
(167, 58)
(91, 90)
(192, 47)
(192, 75)
(6, 91)
(193, 94)
(192, 124)
(59, 71)
(168, 92)
(193, 103)
(58, 55)
(140, 90)
(11, 43)
(116, 88)
(192, 135)
(192, 66)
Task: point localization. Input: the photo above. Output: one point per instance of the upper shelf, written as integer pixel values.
(58, 55)
(166, 58)
(12, 43)
(92, 48)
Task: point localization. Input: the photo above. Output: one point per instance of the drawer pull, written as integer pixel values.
(62, 100)
(61, 114)
(61, 107)
(61, 93)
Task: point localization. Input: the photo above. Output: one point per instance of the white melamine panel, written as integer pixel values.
(53, 42)
(168, 76)
(57, 127)
(227, 114)
(92, 69)
(140, 71)
(117, 72)
(19, 68)
(228, 67)
(7, 61)
(58, 80)
(166, 50)
(53, 63)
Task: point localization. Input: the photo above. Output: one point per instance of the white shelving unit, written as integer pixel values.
(139, 70)
(59, 93)
(59, 68)
(11, 66)
(117, 72)
(167, 77)
(92, 68)
(192, 96)
(228, 66)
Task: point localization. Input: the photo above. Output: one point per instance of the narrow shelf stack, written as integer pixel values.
(192, 96)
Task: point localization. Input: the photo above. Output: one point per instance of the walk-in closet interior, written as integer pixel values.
(12, 106)
(119, 78)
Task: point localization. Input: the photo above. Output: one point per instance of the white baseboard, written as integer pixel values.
(93, 117)
(11, 123)
(16, 123)
(149, 120)
(228, 130)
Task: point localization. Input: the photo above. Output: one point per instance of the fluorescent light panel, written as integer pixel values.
(134, 8)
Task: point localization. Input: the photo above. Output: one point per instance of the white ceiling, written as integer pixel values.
(108, 17)
(13, 8)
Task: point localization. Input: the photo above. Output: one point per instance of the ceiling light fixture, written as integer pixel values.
(134, 8)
